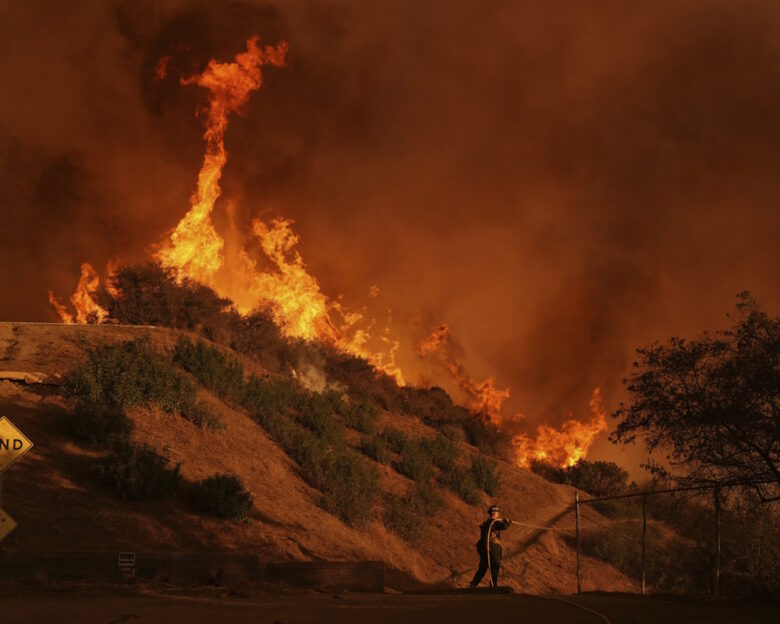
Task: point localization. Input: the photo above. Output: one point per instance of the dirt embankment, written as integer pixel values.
(53, 495)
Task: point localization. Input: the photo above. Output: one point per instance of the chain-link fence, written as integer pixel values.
(699, 540)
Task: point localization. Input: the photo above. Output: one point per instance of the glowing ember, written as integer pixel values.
(565, 446)
(87, 309)
(161, 69)
(482, 396)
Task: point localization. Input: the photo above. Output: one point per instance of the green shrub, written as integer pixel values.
(414, 461)
(453, 432)
(201, 415)
(308, 450)
(548, 471)
(485, 475)
(361, 416)
(431, 405)
(150, 295)
(620, 508)
(461, 482)
(211, 367)
(598, 478)
(127, 374)
(223, 496)
(394, 438)
(407, 515)
(487, 437)
(375, 447)
(139, 473)
(98, 423)
(361, 379)
(302, 445)
(353, 372)
(349, 485)
(265, 397)
(441, 451)
(317, 414)
(260, 338)
(118, 376)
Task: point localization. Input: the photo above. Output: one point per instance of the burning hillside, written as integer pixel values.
(559, 447)
(566, 445)
(266, 271)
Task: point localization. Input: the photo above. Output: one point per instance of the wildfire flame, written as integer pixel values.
(87, 309)
(161, 69)
(482, 396)
(195, 247)
(297, 303)
(195, 250)
(565, 446)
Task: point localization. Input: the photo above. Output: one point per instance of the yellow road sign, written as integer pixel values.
(7, 524)
(13, 443)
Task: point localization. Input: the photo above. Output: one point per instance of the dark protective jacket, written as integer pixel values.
(495, 532)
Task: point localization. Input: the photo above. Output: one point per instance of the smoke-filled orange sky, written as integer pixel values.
(560, 183)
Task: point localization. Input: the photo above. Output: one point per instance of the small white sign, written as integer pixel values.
(127, 563)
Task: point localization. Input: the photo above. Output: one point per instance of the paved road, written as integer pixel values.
(176, 608)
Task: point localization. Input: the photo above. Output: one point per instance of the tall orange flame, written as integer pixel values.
(565, 446)
(87, 309)
(298, 304)
(195, 248)
(482, 396)
(196, 251)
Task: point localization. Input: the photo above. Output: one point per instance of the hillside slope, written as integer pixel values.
(53, 495)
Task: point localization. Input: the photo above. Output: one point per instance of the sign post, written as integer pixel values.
(13, 445)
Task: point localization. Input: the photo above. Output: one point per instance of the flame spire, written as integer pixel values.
(195, 250)
(195, 247)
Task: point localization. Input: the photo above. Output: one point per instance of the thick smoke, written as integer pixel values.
(560, 183)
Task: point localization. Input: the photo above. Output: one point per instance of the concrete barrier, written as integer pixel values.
(354, 575)
(196, 568)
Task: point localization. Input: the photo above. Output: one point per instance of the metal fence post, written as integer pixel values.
(716, 584)
(644, 538)
(577, 523)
